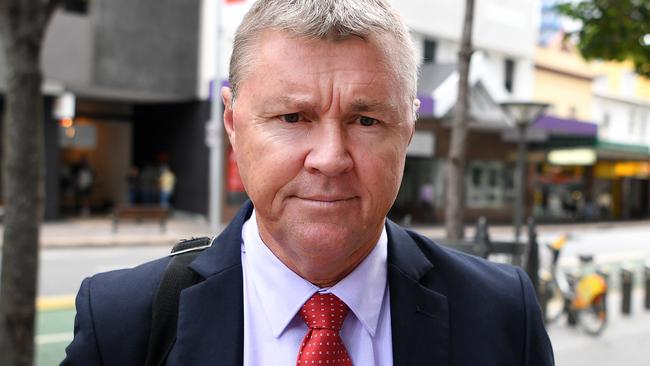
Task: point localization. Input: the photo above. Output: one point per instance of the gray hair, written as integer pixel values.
(325, 19)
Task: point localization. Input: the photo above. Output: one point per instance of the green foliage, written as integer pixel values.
(613, 30)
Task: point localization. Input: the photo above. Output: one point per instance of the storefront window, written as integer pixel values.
(485, 184)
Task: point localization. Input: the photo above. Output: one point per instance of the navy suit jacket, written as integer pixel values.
(447, 308)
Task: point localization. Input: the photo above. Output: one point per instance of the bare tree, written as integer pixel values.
(22, 28)
(455, 199)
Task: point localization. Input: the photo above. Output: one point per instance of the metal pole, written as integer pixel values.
(626, 285)
(532, 262)
(216, 130)
(646, 273)
(520, 180)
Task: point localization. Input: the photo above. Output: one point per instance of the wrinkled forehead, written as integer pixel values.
(385, 44)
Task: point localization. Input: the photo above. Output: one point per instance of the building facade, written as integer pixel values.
(141, 76)
(129, 73)
(599, 172)
(500, 71)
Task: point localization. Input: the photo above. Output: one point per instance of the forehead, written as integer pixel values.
(282, 63)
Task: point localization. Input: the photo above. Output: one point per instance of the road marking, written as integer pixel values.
(54, 338)
(55, 302)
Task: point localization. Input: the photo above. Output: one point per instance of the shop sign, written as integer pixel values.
(77, 136)
(638, 169)
(422, 145)
(572, 157)
(605, 170)
(632, 169)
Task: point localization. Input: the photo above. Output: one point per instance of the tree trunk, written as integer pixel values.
(455, 185)
(23, 23)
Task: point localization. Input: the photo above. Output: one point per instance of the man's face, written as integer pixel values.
(320, 129)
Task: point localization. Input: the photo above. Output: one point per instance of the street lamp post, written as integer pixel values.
(216, 134)
(522, 114)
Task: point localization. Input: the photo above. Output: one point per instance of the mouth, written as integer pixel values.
(326, 200)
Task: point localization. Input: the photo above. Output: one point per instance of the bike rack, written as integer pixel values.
(646, 273)
(627, 283)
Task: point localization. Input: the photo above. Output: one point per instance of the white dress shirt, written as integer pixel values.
(273, 296)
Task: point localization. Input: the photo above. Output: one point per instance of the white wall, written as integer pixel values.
(507, 26)
(503, 29)
(629, 122)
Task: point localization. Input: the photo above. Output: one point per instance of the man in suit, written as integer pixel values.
(319, 114)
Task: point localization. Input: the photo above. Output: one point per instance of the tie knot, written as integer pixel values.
(324, 311)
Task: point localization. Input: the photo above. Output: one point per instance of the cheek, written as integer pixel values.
(266, 164)
(381, 169)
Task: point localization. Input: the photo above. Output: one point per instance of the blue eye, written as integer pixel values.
(291, 117)
(367, 121)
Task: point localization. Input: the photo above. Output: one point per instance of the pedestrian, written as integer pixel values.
(149, 184)
(133, 185)
(320, 111)
(84, 182)
(166, 184)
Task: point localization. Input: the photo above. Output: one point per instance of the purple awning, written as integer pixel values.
(427, 105)
(224, 82)
(562, 126)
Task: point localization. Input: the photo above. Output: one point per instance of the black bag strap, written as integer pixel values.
(164, 317)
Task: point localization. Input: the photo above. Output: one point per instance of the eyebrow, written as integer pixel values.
(301, 103)
(358, 105)
(362, 105)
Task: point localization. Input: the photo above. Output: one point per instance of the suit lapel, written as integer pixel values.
(419, 311)
(211, 318)
(211, 315)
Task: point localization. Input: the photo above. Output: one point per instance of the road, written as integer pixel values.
(62, 270)
(61, 273)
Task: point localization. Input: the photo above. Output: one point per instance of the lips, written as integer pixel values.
(326, 200)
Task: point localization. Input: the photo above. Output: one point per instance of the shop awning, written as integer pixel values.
(438, 90)
(557, 126)
(619, 151)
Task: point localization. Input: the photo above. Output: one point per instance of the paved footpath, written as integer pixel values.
(625, 341)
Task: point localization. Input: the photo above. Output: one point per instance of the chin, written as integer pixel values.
(338, 237)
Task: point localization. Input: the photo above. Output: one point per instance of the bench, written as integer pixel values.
(140, 213)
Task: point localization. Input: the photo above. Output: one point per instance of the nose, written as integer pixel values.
(329, 151)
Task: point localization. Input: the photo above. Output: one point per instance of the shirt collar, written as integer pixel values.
(284, 292)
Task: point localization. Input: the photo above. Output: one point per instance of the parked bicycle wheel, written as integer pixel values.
(555, 302)
(594, 318)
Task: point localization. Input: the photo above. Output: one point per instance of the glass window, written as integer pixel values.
(509, 75)
(429, 51)
(76, 6)
(476, 176)
(492, 180)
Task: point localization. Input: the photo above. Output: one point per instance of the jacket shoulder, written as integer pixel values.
(461, 267)
(114, 315)
(491, 305)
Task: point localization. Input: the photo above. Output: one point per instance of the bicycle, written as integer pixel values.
(582, 298)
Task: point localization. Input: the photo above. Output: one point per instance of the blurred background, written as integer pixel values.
(134, 160)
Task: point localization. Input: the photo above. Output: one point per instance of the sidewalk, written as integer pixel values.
(625, 340)
(98, 231)
(506, 232)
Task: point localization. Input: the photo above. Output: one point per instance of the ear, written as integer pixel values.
(228, 118)
(416, 107)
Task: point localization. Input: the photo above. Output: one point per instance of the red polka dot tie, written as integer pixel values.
(324, 315)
